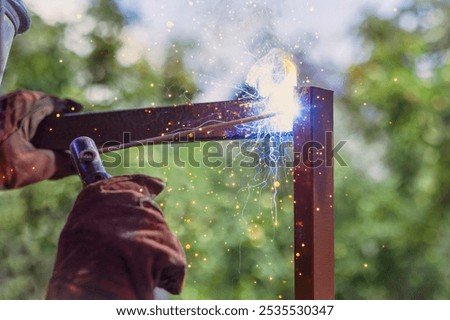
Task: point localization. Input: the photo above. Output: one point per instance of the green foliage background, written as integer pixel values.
(391, 206)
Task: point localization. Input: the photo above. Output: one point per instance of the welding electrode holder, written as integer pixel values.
(86, 160)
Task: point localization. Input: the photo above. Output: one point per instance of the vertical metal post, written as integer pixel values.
(313, 196)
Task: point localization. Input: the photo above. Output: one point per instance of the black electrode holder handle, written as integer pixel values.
(86, 160)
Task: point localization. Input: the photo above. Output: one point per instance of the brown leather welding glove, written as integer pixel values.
(117, 245)
(21, 163)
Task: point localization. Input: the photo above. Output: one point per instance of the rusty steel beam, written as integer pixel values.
(313, 196)
(114, 127)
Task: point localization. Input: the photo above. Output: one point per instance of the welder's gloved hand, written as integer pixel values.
(117, 245)
(20, 162)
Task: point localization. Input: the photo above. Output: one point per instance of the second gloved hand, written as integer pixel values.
(116, 244)
(20, 162)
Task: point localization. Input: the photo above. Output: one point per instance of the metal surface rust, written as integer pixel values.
(313, 197)
(115, 127)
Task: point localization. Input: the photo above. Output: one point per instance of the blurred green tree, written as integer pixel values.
(177, 81)
(393, 225)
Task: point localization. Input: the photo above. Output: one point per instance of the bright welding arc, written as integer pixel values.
(274, 77)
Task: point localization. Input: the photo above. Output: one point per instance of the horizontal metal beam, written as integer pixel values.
(57, 132)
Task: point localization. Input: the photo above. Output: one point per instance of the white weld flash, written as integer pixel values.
(274, 77)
